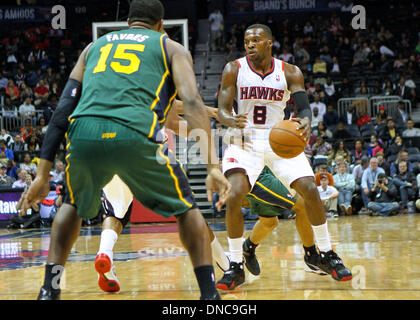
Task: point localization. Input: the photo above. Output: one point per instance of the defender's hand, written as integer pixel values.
(37, 192)
(213, 113)
(239, 121)
(217, 182)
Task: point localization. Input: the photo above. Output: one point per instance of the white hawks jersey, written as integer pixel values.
(263, 97)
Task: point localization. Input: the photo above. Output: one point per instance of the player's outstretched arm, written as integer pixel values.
(227, 96)
(196, 116)
(296, 86)
(57, 128)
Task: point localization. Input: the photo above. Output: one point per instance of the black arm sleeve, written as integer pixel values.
(302, 104)
(59, 121)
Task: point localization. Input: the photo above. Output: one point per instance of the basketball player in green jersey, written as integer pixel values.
(130, 79)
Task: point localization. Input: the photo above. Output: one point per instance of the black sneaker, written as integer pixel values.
(333, 265)
(232, 278)
(49, 294)
(312, 263)
(251, 261)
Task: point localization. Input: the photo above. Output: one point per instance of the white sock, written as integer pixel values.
(322, 237)
(219, 254)
(108, 239)
(235, 248)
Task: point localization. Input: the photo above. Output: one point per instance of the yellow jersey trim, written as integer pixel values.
(274, 194)
(171, 171)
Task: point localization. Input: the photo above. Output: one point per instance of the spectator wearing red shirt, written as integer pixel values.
(12, 91)
(41, 93)
(363, 118)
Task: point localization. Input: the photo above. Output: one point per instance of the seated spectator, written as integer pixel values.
(406, 182)
(17, 145)
(411, 131)
(358, 152)
(395, 147)
(382, 163)
(316, 118)
(358, 171)
(375, 146)
(382, 197)
(330, 117)
(9, 113)
(27, 129)
(390, 132)
(27, 109)
(320, 68)
(322, 131)
(12, 91)
(323, 169)
(350, 117)
(370, 175)
(41, 93)
(58, 172)
(363, 117)
(27, 164)
(25, 91)
(42, 126)
(321, 147)
(5, 136)
(328, 195)
(12, 169)
(381, 116)
(322, 108)
(400, 116)
(7, 152)
(20, 183)
(338, 150)
(335, 70)
(346, 185)
(394, 167)
(32, 144)
(341, 132)
(5, 180)
(329, 88)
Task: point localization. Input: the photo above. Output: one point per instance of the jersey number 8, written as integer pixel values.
(120, 53)
(260, 114)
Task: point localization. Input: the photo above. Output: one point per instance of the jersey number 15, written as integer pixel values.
(120, 53)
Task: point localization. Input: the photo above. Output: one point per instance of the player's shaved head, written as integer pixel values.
(266, 29)
(146, 11)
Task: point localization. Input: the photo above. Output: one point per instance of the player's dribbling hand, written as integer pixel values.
(37, 192)
(217, 182)
(305, 125)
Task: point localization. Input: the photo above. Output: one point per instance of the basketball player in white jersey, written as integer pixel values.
(261, 86)
(117, 204)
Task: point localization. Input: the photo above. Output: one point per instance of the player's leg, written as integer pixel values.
(161, 185)
(242, 169)
(235, 276)
(303, 181)
(64, 232)
(116, 206)
(218, 253)
(86, 174)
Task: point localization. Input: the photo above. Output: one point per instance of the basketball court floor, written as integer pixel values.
(383, 254)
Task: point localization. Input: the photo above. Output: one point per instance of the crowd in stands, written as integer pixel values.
(34, 65)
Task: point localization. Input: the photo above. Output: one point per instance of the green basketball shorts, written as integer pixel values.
(269, 197)
(98, 148)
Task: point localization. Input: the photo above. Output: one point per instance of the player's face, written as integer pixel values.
(257, 44)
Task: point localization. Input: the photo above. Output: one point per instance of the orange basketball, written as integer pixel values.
(285, 140)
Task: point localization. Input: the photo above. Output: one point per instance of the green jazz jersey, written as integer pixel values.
(127, 78)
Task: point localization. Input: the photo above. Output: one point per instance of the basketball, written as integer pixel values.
(285, 140)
